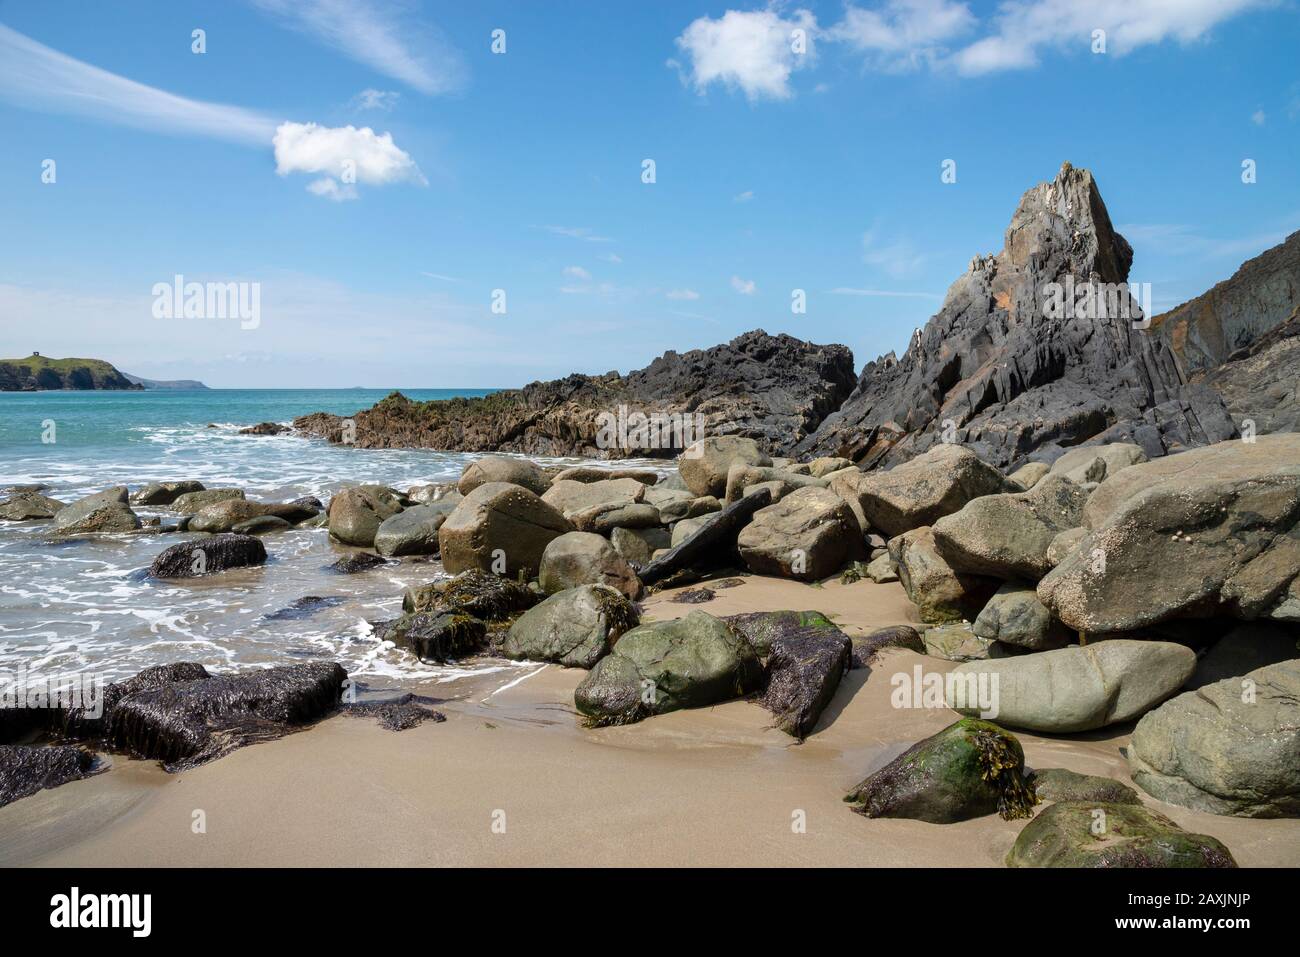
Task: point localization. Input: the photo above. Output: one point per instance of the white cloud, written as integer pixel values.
(1258, 117)
(440, 276)
(903, 34)
(577, 272)
(611, 258)
(744, 197)
(578, 232)
(751, 51)
(396, 46)
(745, 287)
(372, 99)
(1024, 29)
(344, 154)
(898, 259)
(33, 76)
(683, 294)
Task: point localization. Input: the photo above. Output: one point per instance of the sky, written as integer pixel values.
(446, 195)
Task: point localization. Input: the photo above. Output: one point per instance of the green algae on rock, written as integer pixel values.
(1108, 834)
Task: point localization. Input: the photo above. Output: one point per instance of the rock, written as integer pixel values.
(1063, 544)
(1029, 474)
(939, 592)
(1232, 747)
(705, 465)
(1093, 463)
(1066, 835)
(413, 531)
(804, 667)
(265, 428)
(882, 569)
(1060, 784)
(893, 636)
(922, 491)
(710, 546)
(164, 493)
(498, 468)
(260, 525)
(102, 512)
(188, 503)
(1248, 646)
(1015, 616)
(822, 467)
(687, 527)
(474, 593)
(808, 535)
(773, 389)
(693, 596)
(568, 497)
(499, 527)
(1007, 536)
(587, 473)
(603, 519)
(955, 641)
(355, 514)
(206, 556)
(26, 770)
(998, 370)
(188, 722)
(673, 504)
(1082, 688)
(304, 607)
(438, 636)
(742, 476)
(656, 668)
(396, 714)
(357, 562)
(762, 628)
(969, 769)
(574, 628)
(1258, 383)
(584, 558)
(1204, 533)
(26, 506)
(428, 494)
(637, 545)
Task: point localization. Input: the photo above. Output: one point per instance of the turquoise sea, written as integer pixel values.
(86, 606)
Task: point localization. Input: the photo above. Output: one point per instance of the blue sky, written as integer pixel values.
(522, 171)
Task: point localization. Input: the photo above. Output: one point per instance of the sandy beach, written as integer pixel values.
(512, 778)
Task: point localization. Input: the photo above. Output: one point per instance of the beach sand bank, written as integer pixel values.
(713, 786)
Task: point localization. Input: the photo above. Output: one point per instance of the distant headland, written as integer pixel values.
(38, 373)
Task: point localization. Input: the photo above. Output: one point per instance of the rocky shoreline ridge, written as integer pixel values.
(995, 369)
(1102, 589)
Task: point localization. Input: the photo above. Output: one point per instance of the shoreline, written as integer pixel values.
(711, 786)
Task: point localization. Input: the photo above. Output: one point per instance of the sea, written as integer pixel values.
(86, 607)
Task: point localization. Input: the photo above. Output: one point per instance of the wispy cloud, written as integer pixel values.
(746, 287)
(744, 197)
(577, 272)
(36, 77)
(897, 258)
(611, 258)
(577, 232)
(682, 294)
(1182, 240)
(439, 276)
(904, 34)
(372, 99)
(383, 37)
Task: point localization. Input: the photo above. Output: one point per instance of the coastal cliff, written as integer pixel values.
(39, 373)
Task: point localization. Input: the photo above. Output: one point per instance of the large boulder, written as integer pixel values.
(438, 636)
(808, 535)
(1250, 645)
(1101, 834)
(1008, 535)
(1014, 615)
(591, 473)
(187, 503)
(585, 558)
(206, 556)
(956, 641)
(710, 545)
(413, 531)
(499, 527)
(806, 654)
(498, 468)
(25, 770)
(164, 493)
(476, 593)
(105, 511)
(1208, 532)
(969, 769)
(1080, 688)
(1062, 784)
(25, 506)
(939, 592)
(742, 476)
(638, 545)
(574, 628)
(604, 518)
(1029, 474)
(1232, 747)
(570, 497)
(704, 465)
(1093, 463)
(656, 668)
(922, 491)
(225, 515)
(355, 514)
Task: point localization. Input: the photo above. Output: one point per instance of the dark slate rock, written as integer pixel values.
(220, 552)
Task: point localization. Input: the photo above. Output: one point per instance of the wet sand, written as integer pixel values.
(511, 778)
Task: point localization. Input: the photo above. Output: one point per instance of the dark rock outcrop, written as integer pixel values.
(204, 556)
(1004, 377)
(775, 389)
(26, 770)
